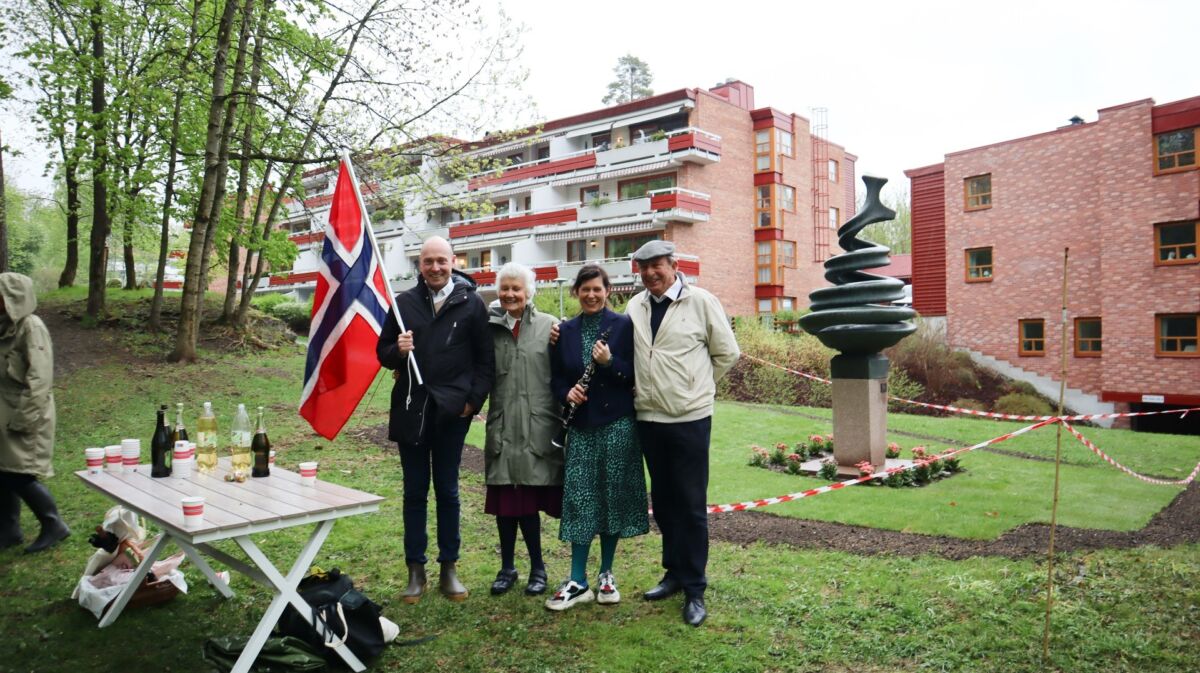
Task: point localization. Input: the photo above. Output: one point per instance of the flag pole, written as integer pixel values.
(362, 207)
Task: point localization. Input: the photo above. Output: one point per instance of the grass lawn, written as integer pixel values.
(772, 608)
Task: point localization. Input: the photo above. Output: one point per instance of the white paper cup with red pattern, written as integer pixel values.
(131, 453)
(95, 460)
(193, 510)
(112, 459)
(271, 458)
(308, 473)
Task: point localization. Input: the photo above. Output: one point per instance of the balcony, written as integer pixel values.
(306, 237)
(533, 169)
(623, 271)
(680, 205)
(495, 224)
(485, 277)
(290, 278)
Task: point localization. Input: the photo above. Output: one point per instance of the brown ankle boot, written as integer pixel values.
(417, 583)
(451, 587)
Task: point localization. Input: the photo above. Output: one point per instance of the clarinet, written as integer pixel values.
(569, 408)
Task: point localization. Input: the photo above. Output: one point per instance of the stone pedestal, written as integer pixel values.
(859, 411)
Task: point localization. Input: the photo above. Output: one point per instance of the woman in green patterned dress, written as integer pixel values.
(604, 488)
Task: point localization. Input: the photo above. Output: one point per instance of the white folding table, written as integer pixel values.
(235, 511)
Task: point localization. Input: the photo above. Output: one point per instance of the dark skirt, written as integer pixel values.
(511, 500)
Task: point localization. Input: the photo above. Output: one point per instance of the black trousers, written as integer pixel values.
(677, 458)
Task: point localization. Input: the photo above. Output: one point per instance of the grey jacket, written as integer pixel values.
(523, 416)
(26, 382)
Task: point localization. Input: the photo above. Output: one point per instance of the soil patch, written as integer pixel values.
(1178, 523)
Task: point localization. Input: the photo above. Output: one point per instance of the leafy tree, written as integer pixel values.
(632, 81)
(5, 93)
(895, 233)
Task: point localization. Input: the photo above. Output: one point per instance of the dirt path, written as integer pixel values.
(1178, 523)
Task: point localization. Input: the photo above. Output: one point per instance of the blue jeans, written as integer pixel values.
(438, 456)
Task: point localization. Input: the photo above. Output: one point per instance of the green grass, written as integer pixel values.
(772, 608)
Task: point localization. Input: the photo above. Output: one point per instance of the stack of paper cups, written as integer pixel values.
(308, 473)
(181, 463)
(112, 458)
(271, 458)
(131, 453)
(193, 510)
(95, 460)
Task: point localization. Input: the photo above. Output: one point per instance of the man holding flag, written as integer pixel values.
(447, 336)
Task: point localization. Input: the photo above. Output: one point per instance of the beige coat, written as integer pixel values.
(677, 373)
(26, 381)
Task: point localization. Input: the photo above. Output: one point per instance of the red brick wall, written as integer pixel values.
(1090, 188)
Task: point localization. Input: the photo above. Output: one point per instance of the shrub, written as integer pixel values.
(114, 283)
(829, 469)
(921, 473)
(816, 443)
(1023, 404)
(758, 456)
(267, 302)
(901, 385)
(952, 464)
(893, 450)
(801, 450)
(924, 356)
(968, 403)
(297, 315)
(751, 381)
(1023, 387)
(865, 467)
(779, 455)
(895, 480)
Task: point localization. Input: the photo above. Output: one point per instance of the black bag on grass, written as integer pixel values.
(339, 612)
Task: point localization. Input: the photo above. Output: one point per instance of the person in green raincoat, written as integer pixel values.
(26, 416)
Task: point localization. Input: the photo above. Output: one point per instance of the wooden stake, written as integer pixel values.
(1062, 392)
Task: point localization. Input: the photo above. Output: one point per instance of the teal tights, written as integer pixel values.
(579, 558)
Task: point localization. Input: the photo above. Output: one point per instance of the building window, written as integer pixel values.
(500, 210)
(1175, 151)
(576, 250)
(517, 158)
(835, 218)
(787, 198)
(1033, 337)
(601, 141)
(787, 254)
(762, 151)
(485, 259)
(979, 265)
(764, 306)
(528, 203)
(762, 206)
(633, 189)
(787, 303)
(784, 138)
(622, 247)
(543, 152)
(1177, 335)
(1175, 242)
(763, 266)
(977, 192)
(590, 195)
(1087, 338)
(833, 170)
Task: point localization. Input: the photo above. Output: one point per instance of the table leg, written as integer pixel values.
(122, 599)
(198, 560)
(286, 593)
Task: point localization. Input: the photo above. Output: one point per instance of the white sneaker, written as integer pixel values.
(569, 593)
(606, 590)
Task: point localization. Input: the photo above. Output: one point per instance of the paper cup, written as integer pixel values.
(112, 458)
(131, 453)
(181, 468)
(95, 460)
(180, 452)
(271, 458)
(308, 473)
(191, 450)
(193, 510)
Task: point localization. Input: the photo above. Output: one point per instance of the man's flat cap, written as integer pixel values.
(654, 249)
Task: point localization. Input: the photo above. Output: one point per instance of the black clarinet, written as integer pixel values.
(569, 408)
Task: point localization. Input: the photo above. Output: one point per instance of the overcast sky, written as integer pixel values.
(903, 82)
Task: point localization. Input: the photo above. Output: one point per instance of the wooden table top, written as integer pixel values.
(230, 508)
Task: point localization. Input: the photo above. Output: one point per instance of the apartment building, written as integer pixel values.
(989, 229)
(750, 196)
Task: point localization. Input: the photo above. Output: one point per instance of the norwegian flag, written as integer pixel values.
(349, 309)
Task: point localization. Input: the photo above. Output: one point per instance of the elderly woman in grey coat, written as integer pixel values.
(26, 416)
(522, 467)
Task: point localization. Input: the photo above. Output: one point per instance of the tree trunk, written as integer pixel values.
(3, 214)
(248, 291)
(98, 263)
(70, 169)
(127, 242)
(193, 290)
(228, 313)
(164, 239)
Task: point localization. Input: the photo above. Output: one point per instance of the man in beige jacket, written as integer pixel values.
(683, 345)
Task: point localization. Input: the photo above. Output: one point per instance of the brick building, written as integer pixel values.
(751, 197)
(989, 226)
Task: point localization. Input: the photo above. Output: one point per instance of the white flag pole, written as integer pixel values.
(362, 207)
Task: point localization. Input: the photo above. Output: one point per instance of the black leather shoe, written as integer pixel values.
(505, 579)
(694, 612)
(537, 583)
(669, 586)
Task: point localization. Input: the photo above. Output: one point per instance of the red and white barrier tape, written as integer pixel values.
(754, 504)
(988, 414)
(1096, 450)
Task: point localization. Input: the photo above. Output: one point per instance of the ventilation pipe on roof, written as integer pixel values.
(1076, 120)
